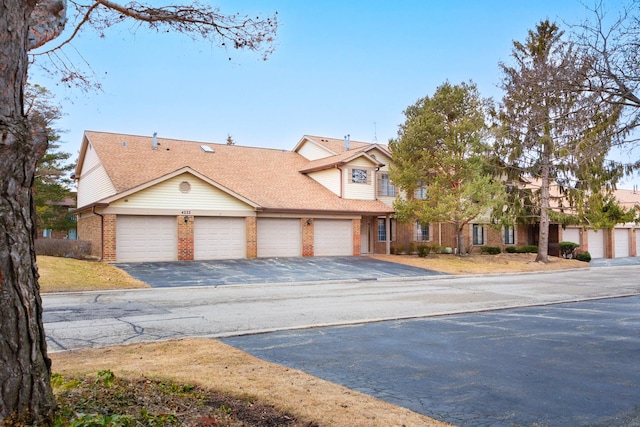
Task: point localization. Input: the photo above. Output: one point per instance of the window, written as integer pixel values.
(478, 234)
(359, 176)
(46, 233)
(421, 193)
(382, 230)
(386, 187)
(509, 236)
(422, 232)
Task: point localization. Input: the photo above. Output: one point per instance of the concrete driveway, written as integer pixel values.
(268, 270)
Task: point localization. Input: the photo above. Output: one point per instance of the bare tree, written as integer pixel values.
(610, 45)
(25, 392)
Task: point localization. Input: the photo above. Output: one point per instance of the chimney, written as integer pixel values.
(155, 140)
(344, 143)
(348, 141)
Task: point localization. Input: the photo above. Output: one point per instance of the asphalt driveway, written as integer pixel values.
(562, 365)
(268, 270)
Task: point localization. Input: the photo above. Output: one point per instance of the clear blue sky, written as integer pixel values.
(340, 67)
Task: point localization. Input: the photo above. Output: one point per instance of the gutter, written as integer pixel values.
(93, 210)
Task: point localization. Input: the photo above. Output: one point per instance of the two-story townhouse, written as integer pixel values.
(145, 198)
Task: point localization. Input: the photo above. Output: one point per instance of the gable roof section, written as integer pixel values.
(267, 179)
(332, 145)
(338, 160)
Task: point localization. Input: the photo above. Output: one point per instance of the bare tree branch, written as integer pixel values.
(196, 20)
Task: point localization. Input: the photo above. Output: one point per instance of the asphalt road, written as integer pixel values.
(95, 319)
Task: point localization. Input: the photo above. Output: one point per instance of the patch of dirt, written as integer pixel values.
(483, 264)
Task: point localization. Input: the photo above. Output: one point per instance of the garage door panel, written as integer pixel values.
(571, 235)
(333, 237)
(146, 238)
(622, 242)
(596, 243)
(279, 237)
(219, 238)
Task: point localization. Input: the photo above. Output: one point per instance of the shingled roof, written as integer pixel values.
(269, 178)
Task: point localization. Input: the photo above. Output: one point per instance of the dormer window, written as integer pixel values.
(359, 176)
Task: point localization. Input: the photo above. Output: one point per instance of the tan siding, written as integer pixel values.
(91, 160)
(358, 191)
(167, 195)
(381, 157)
(94, 185)
(329, 178)
(311, 151)
(360, 162)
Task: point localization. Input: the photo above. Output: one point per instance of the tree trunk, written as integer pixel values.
(25, 391)
(543, 236)
(461, 247)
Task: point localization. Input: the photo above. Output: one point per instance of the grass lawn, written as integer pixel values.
(202, 382)
(68, 275)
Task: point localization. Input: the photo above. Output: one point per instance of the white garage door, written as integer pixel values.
(622, 242)
(596, 243)
(219, 238)
(278, 237)
(146, 238)
(571, 235)
(333, 237)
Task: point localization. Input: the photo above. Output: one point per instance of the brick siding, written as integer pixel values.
(109, 244)
(251, 234)
(90, 229)
(307, 236)
(185, 237)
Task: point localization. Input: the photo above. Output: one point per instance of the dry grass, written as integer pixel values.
(213, 365)
(483, 264)
(68, 275)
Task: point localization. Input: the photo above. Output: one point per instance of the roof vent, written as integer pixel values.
(155, 140)
(207, 149)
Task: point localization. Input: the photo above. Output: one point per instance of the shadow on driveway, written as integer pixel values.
(267, 270)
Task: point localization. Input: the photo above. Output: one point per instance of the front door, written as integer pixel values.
(366, 235)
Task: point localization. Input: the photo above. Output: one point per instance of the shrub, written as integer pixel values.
(584, 256)
(567, 249)
(527, 249)
(423, 250)
(79, 249)
(510, 249)
(491, 250)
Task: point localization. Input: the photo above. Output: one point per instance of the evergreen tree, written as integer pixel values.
(440, 160)
(52, 182)
(552, 134)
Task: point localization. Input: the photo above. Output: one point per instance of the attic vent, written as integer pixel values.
(185, 187)
(207, 149)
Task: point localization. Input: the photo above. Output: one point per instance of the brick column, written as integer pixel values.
(357, 247)
(609, 243)
(185, 237)
(251, 223)
(109, 237)
(632, 242)
(307, 236)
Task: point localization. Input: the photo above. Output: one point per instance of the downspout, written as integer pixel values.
(93, 210)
